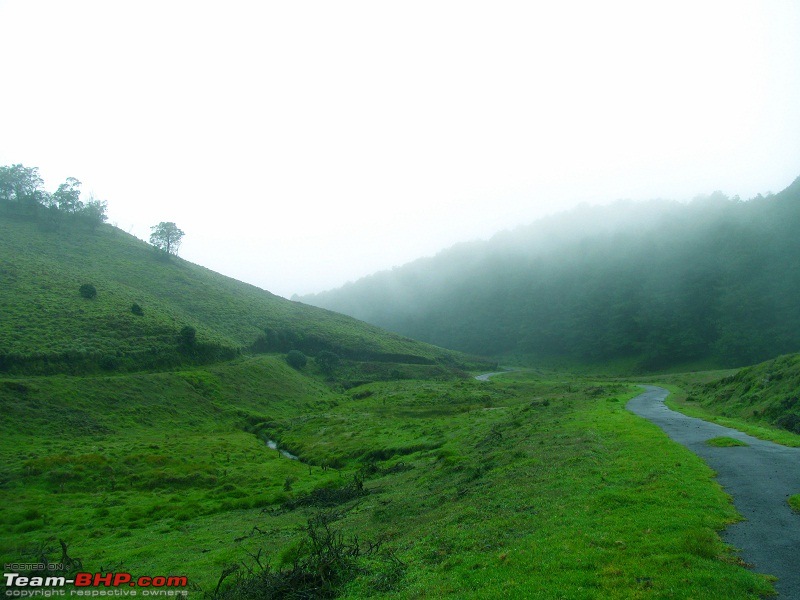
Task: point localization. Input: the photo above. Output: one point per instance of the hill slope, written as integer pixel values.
(659, 282)
(766, 393)
(47, 326)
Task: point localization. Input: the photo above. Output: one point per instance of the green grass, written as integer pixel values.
(517, 487)
(122, 467)
(725, 442)
(49, 327)
(794, 502)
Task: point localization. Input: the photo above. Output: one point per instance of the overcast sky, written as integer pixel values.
(304, 144)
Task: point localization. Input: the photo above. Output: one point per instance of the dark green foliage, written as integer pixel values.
(188, 337)
(327, 361)
(789, 422)
(88, 291)
(764, 392)
(659, 284)
(318, 568)
(137, 310)
(260, 344)
(21, 186)
(22, 195)
(296, 359)
(94, 212)
(166, 237)
(329, 496)
(67, 196)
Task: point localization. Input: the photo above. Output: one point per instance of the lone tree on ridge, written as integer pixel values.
(166, 236)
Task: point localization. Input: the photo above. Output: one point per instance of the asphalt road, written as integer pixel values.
(759, 477)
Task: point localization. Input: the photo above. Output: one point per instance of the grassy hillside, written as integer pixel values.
(655, 284)
(47, 326)
(464, 489)
(413, 480)
(766, 394)
(125, 467)
(758, 400)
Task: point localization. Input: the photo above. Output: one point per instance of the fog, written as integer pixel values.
(653, 283)
(302, 145)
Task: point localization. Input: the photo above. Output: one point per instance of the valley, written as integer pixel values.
(176, 421)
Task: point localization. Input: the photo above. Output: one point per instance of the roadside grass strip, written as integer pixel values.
(725, 442)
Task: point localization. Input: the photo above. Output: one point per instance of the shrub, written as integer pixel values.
(790, 422)
(327, 361)
(88, 291)
(188, 337)
(296, 359)
(327, 497)
(321, 565)
(137, 310)
(261, 344)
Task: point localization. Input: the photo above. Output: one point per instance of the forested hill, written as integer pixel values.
(715, 280)
(80, 298)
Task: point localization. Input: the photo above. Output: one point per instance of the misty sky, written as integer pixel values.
(304, 144)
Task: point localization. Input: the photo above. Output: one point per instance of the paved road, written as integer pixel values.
(760, 477)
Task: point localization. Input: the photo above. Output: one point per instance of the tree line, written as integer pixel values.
(662, 283)
(22, 195)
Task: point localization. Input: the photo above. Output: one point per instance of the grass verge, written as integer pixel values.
(725, 442)
(679, 400)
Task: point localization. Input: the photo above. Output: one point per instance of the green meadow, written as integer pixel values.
(526, 486)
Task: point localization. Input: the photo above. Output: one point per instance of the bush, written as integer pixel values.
(187, 337)
(88, 291)
(329, 496)
(321, 565)
(790, 422)
(261, 344)
(137, 310)
(296, 359)
(327, 361)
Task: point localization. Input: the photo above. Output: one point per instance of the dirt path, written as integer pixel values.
(760, 477)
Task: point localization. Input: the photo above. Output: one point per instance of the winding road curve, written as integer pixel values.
(760, 477)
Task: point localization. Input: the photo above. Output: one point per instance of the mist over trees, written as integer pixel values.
(664, 283)
(22, 195)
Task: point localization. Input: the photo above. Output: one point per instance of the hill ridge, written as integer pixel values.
(48, 327)
(658, 283)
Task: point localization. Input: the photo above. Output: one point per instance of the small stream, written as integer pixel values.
(272, 444)
(487, 376)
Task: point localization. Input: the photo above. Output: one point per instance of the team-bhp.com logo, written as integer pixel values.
(93, 584)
